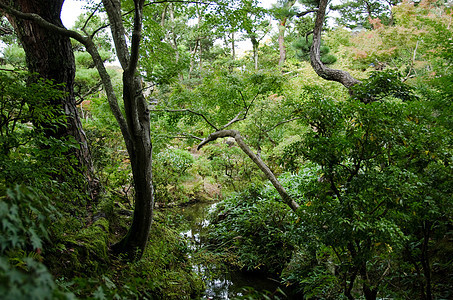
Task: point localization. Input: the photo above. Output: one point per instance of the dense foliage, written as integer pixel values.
(369, 167)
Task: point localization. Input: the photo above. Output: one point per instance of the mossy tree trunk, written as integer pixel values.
(50, 56)
(134, 125)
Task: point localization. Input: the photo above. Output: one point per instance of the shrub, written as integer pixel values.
(25, 219)
(252, 231)
(170, 168)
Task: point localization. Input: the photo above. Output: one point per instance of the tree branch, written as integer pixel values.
(190, 136)
(92, 50)
(189, 111)
(5, 31)
(113, 8)
(287, 199)
(235, 119)
(43, 23)
(340, 76)
(87, 93)
(301, 14)
(136, 37)
(281, 123)
(89, 18)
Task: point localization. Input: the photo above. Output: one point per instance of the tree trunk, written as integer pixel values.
(255, 45)
(281, 42)
(192, 58)
(136, 131)
(281, 33)
(134, 243)
(174, 39)
(50, 56)
(340, 76)
(425, 259)
(369, 293)
(233, 46)
(135, 126)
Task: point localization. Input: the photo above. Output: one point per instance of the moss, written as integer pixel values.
(164, 272)
(81, 253)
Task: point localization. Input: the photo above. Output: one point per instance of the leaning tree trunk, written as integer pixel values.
(340, 76)
(287, 199)
(51, 56)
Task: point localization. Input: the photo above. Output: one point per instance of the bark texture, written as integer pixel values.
(51, 57)
(281, 42)
(281, 33)
(136, 131)
(256, 159)
(340, 76)
(134, 125)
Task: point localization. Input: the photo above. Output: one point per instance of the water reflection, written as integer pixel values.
(221, 284)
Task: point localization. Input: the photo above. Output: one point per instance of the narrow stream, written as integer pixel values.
(221, 283)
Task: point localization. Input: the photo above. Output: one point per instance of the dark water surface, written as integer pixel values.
(221, 283)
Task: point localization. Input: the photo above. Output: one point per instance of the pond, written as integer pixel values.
(221, 282)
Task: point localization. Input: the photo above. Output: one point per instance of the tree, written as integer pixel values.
(360, 13)
(134, 124)
(283, 11)
(340, 76)
(165, 27)
(253, 22)
(221, 103)
(50, 56)
(302, 46)
(383, 177)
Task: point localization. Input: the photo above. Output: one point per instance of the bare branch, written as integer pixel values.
(243, 98)
(301, 14)
(287, 199)
(5, 31)
(235, 119)
(411, 64)
(87, 93)
(190, 136)
(89, 18)
(340, 76)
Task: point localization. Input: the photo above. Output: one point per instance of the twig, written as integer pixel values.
(189, 111)
(281, 123)
(89, 18)
(189, 136)
(234, 120)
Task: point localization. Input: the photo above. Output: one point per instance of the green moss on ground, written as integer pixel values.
(82, 265)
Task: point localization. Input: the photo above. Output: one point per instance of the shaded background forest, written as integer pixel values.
(340, 191)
